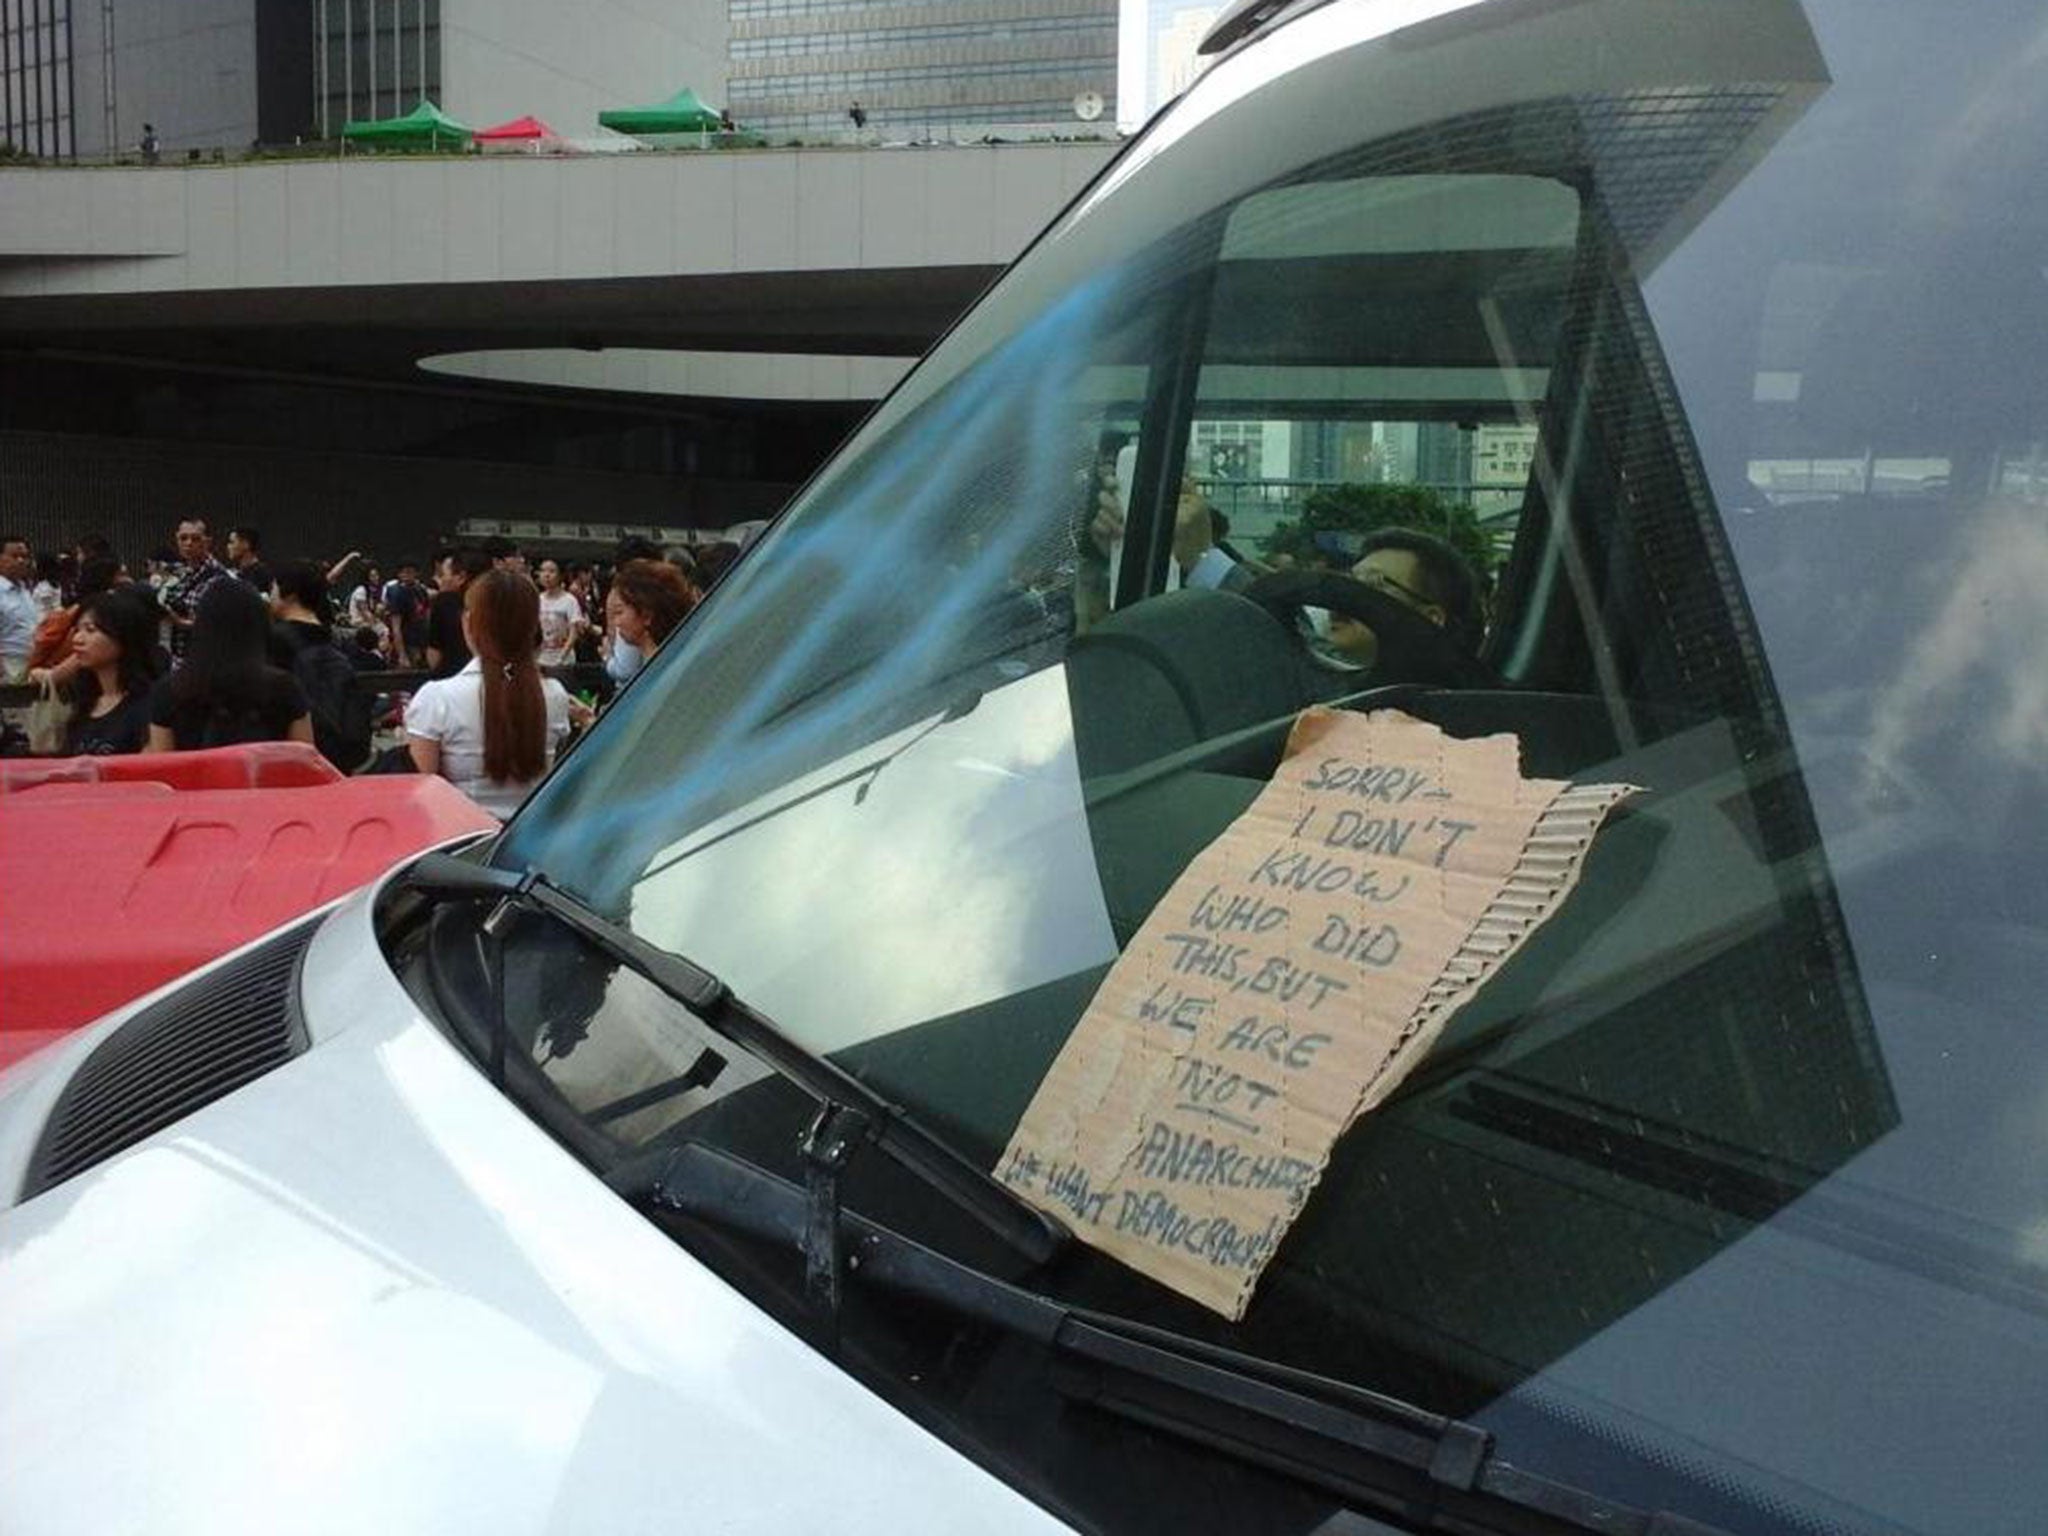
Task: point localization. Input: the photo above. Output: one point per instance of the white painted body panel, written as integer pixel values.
(365, 1293)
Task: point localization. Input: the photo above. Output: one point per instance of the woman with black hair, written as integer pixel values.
(52, 647)
(302, 642)
(225, 691)
(302, 615)
(114, 639)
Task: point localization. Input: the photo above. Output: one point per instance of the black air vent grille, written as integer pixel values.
(183, 1052)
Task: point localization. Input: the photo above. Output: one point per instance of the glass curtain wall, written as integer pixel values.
(36, 77)
(800, 65)
(373, 59)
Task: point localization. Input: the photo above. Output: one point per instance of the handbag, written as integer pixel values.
(48, 719)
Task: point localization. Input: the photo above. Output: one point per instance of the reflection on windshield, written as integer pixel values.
(959, 871)
(1988, 610)
(917, 560)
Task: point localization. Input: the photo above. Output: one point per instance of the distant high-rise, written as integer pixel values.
(88, 77)
(1177, 58)
(84, 76)
(797, 65)
(38, 77)
(379, 61)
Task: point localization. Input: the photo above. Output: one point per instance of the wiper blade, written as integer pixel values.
(1357, 1445)
(851, 1114)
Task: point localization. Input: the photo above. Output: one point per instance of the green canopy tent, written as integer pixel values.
(426, 126)
(683, 112)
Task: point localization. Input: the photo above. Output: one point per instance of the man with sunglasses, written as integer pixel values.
(1415, 569)
(1421, 573)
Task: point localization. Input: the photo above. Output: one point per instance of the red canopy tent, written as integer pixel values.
(521, 133)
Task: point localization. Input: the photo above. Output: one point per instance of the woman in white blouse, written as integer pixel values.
(492, 729)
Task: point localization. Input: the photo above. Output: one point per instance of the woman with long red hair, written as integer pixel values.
(492, 729)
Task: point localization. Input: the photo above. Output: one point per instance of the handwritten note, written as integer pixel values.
(1292, 976)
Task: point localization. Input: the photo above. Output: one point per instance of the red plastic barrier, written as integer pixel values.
(108, 891)
(77, 788)
(258, 765)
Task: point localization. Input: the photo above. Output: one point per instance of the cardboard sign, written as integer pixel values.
(1294, 974)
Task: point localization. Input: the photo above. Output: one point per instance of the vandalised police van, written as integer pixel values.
(831, 1102)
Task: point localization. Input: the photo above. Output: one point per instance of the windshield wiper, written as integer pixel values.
(850, 1115)
(1360, 1446)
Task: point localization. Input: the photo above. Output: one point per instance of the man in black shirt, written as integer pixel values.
(447, 651)
(245, 558)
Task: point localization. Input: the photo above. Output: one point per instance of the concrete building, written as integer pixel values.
(917, 65)
(83, 77)
(386, 350)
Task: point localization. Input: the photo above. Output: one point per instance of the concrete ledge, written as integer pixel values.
(370, 222)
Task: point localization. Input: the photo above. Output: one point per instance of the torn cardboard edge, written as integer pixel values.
(1532, 892)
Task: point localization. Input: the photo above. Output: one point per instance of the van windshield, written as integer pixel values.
(1669, 379)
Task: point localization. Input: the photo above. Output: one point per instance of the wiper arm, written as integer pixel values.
(1356, 1445)
(851, 1114)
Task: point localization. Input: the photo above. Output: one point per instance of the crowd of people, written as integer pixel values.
(199, 650)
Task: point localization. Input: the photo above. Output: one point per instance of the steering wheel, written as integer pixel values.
(1411, 649)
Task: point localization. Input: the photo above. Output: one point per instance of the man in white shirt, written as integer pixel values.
(561, 617)
(19, 613)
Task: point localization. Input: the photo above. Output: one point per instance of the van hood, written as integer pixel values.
(365, 1293)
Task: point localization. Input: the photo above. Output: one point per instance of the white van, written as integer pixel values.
(644, 1167)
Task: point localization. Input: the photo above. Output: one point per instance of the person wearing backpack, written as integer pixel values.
(302, 641)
